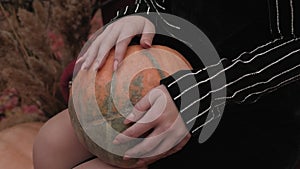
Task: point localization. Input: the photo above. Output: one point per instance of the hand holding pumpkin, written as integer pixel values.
(118, 34)
(155, 113)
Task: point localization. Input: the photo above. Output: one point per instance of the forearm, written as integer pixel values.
(248, 77)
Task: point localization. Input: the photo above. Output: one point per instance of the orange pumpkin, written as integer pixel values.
(100, 100)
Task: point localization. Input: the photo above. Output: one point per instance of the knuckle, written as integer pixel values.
(146, 150)
(110, 26)
(130, 133)
(138, 106)
(103, 50)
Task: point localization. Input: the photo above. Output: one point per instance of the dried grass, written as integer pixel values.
(35, 46)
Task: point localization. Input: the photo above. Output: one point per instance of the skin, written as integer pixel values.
(118, 35)
(56, 146)
(158, 113)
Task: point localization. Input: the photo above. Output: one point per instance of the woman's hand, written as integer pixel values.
(155, 115)
(118, 34)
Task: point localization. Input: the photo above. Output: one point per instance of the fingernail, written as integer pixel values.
(126, 157)
(77, 61)
(116, 65)
(116, 141)
(130, 117)
(126, 121)
(148, 44)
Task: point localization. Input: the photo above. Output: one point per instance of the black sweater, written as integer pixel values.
(258, 46)
(256, 41)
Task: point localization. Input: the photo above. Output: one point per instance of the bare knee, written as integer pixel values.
(46, 146)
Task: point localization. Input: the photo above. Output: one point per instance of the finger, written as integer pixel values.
(121, 48)
(146, 146)
(150, 159)
(134, 116)
(106, 47)
(78, 66)
(139, 109)
(81, 59)
(155, 111)
(89, 57)
(173, 139)
(147, 35)
(158, 146)
(94, 36)
(92, 46)
(155, 100)
(81, 56)
(92, 40)
(142, 126)
(86, 59)
(133, 132)
(179, 146)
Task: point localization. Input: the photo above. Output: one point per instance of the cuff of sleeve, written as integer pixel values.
(188, 96)
(175, 85)
(172, 86)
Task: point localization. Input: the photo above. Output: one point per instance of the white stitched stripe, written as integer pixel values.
(292, 18)
(272, 88)
(125, 10)
(198, 100)
(227, 68)
(137, 8)
(278, 18)
(157, 4)
(188, 74)
(256, 84)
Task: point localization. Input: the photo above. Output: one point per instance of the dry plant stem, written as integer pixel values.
(16, 35)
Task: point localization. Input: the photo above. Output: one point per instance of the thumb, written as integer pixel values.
(145, 104)
(139, 109)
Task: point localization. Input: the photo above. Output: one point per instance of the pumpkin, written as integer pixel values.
(100, 101)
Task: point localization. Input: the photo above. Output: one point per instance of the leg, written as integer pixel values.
(56, 145)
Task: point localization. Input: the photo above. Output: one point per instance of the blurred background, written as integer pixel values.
(39, 43)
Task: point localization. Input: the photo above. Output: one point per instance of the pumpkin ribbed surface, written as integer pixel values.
(100, 100)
